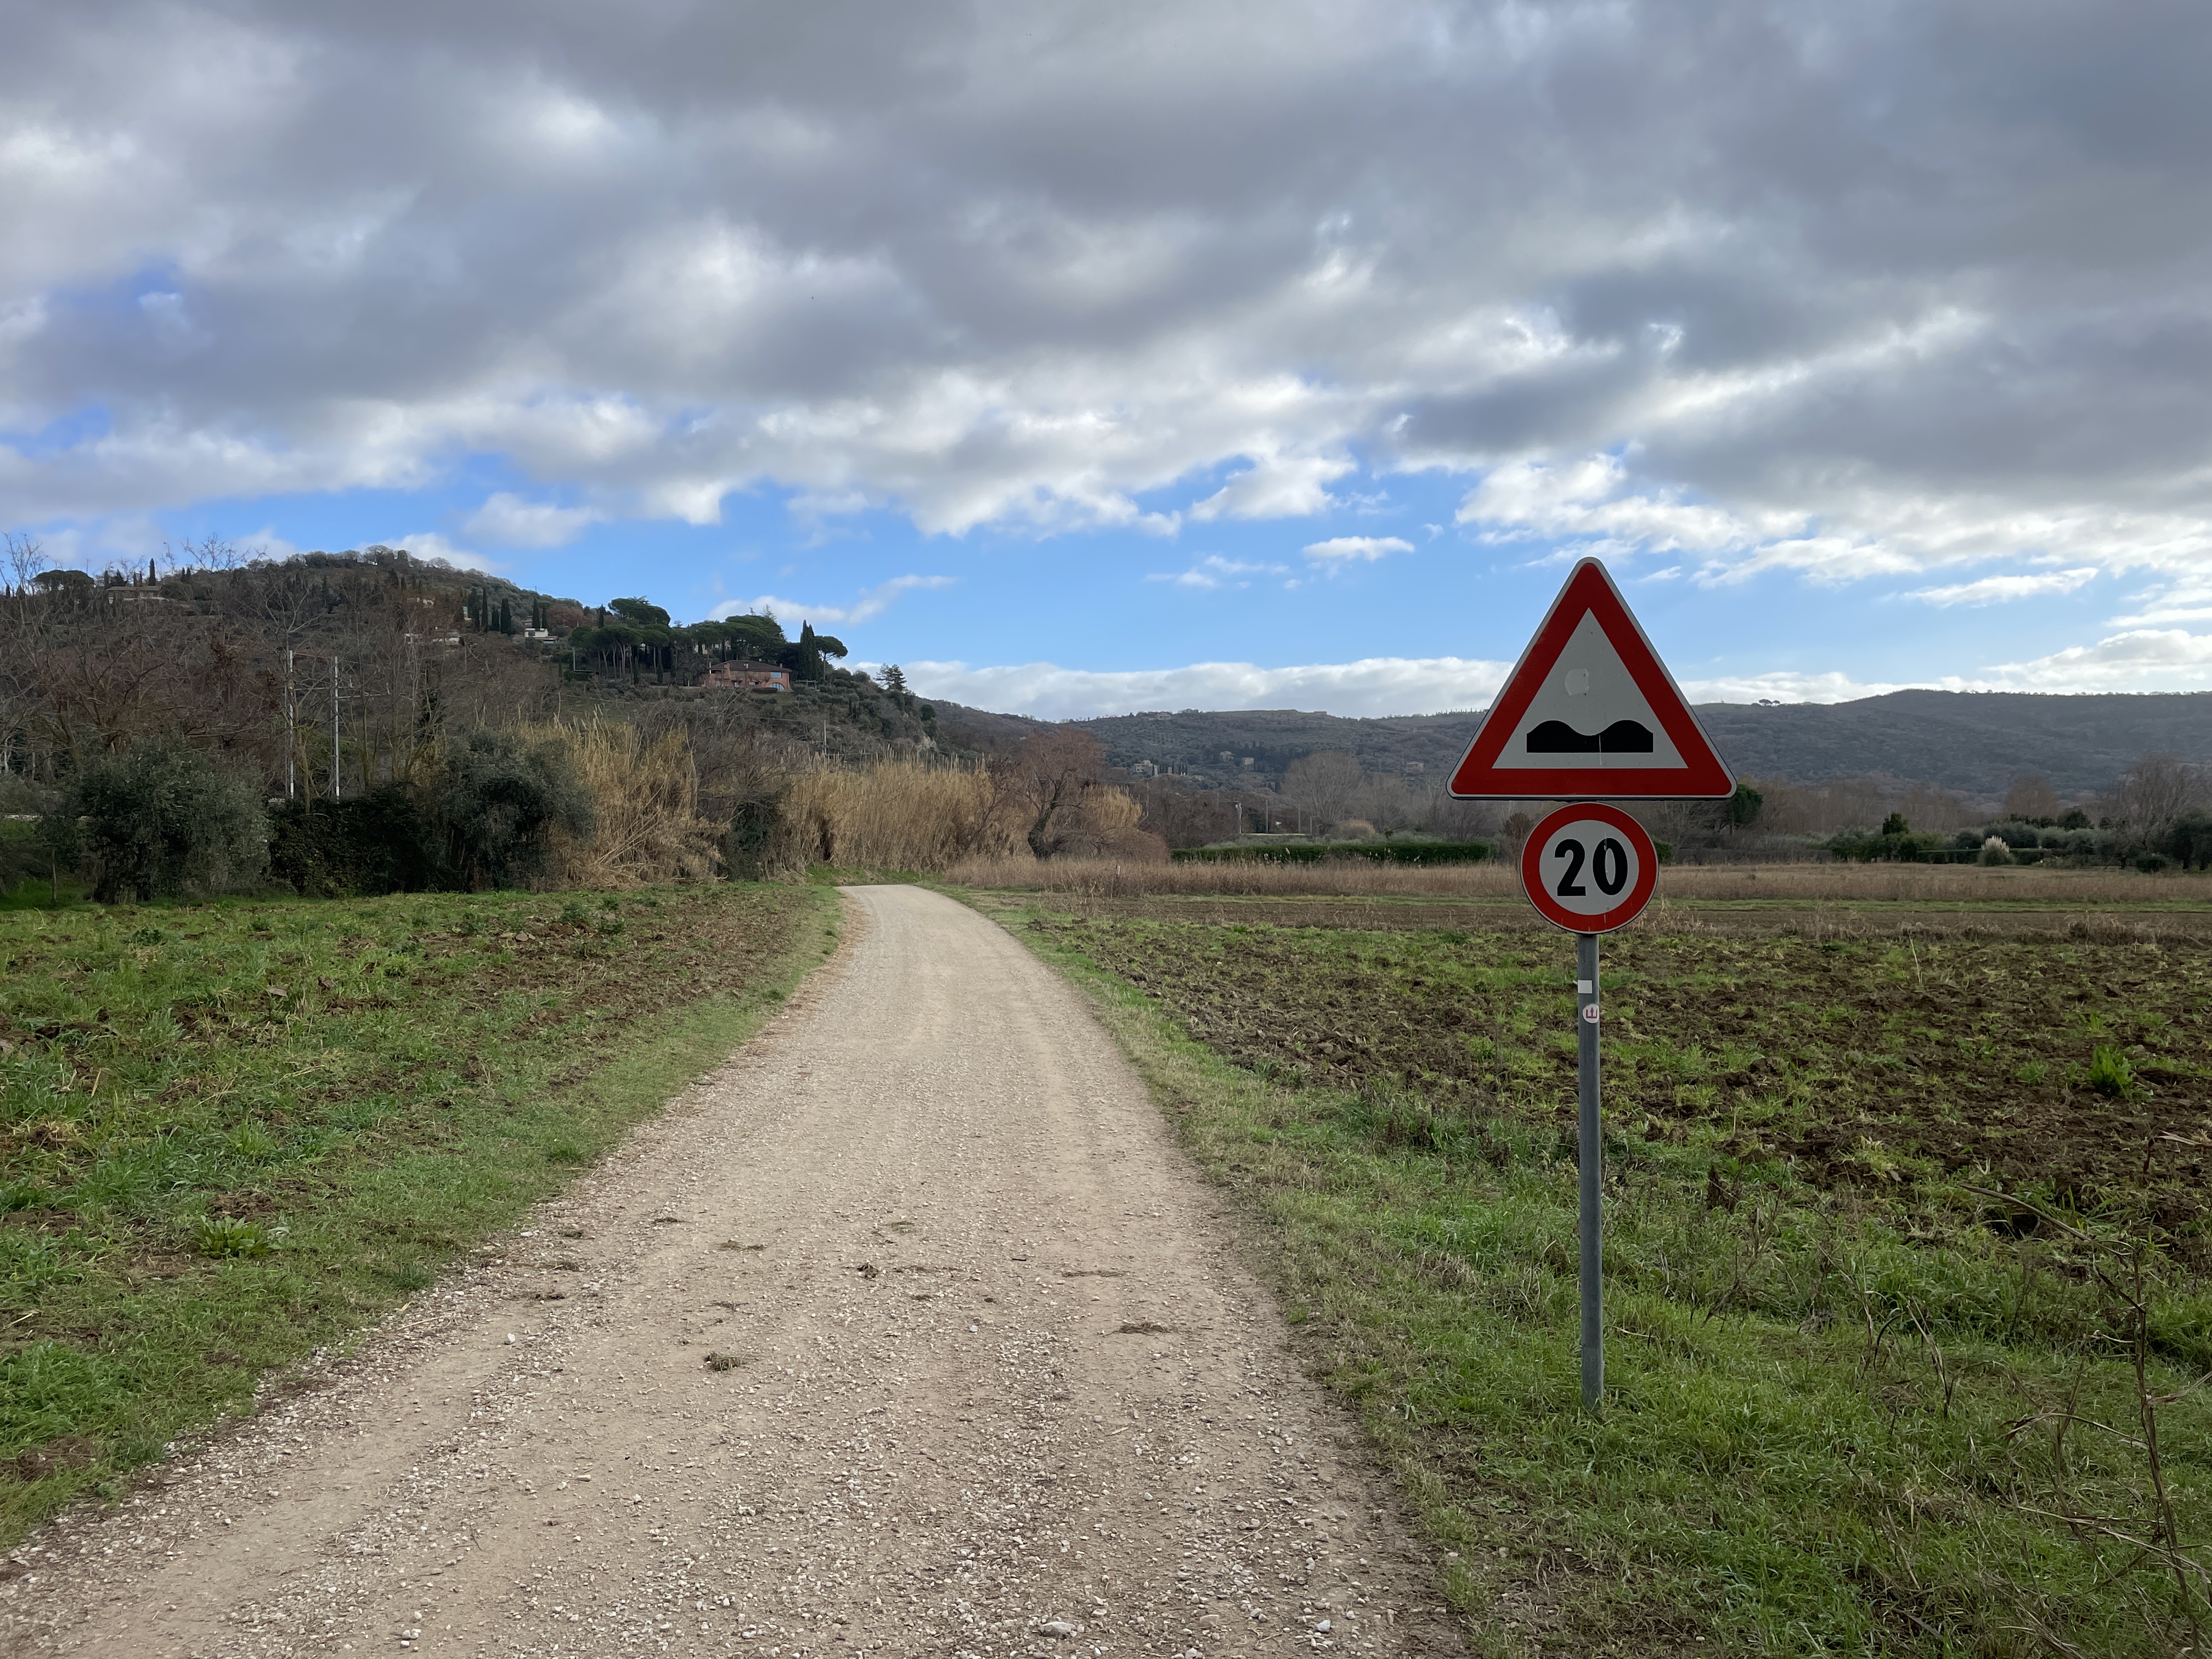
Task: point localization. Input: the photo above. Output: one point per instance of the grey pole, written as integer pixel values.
(1590, 1153)
(338, 786)
(291, 736)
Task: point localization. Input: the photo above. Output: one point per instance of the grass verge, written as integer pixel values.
(231, 1134)
(1838, 1421)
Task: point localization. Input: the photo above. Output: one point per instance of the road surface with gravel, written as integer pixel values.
(907, 1331)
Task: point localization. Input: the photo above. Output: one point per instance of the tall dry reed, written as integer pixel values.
(895, 815)
(645, 800)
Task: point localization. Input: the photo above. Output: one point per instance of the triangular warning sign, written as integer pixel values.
(1590, 711)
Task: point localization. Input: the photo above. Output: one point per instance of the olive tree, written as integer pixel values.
(499, 801)
(161, 819)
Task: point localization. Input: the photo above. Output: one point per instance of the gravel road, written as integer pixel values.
(907, 1331)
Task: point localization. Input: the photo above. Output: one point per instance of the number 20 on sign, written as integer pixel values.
(1588, 868)
(1590, 709)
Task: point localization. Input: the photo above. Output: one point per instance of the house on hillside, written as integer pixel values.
(746, 676)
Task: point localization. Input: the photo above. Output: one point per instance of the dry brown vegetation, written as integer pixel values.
(897, 815)
(2040, 885)
(1049, 798)
(1131, 878)
(645, 804)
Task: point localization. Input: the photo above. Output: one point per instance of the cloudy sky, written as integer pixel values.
(1084, 357)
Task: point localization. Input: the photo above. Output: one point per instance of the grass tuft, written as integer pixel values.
(227, 1235)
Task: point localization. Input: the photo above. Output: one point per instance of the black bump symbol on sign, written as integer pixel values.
(1621, 738)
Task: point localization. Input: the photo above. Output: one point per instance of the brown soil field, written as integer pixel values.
(2040, 887)
(1814, 919)
(1878, 1062)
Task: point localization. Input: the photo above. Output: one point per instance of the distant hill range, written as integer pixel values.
(1974, 742)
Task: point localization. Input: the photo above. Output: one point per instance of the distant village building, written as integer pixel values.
(1144, 770)
(746, 676)
(1413, 767)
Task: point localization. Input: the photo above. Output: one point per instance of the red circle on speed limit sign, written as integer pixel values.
(1588, 868)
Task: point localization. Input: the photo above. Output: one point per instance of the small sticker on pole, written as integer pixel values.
(1589, 868)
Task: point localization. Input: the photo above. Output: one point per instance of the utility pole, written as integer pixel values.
(291, 735)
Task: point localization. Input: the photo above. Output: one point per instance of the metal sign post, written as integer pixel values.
(1590, 709)
(1590, 1156)
(1588, 869)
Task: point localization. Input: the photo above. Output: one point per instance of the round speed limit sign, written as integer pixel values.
(1588, 868)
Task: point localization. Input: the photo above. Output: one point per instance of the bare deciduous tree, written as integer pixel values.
(2030, 797)
(2155, 791)
(1327, 784)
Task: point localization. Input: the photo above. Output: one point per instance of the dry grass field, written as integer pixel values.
(1814, 899)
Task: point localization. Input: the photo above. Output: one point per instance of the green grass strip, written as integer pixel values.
(237, 1134)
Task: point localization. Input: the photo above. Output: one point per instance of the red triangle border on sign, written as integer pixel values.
(1589, 591)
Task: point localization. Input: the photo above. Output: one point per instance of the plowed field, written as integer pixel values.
(1877, 1061)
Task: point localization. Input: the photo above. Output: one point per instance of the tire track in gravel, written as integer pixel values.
(909, 1331)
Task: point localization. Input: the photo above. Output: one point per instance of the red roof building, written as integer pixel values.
(746, 676)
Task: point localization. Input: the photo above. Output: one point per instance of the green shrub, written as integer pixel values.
(752, 833)
(377, 843)
(499, 801)
(2189, 842)
(1892, 845)
(163, 819)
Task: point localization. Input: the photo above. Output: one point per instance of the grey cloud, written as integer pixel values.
(1025, 262)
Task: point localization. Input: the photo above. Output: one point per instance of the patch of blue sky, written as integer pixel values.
(85, 425)
(1385, 572)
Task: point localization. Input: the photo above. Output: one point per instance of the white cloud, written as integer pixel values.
(1991, 589)
(1214, 572)
(1276, 487)
(1595, 500)
(1787, 686)
(510, 521)
(2187, 600)
(265, 543)
(1375, 685)
(1338, 551)
(2141, 659)
(870, 603)
(986, 272)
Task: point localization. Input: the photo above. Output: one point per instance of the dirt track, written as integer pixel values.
(1002, 1389)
